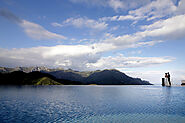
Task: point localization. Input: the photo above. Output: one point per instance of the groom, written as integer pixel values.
(169, 78)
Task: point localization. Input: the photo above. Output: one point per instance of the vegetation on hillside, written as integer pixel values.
(46, 81)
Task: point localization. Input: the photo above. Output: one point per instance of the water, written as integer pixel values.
(97, 104)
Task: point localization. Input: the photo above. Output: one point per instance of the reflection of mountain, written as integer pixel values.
(104, 77)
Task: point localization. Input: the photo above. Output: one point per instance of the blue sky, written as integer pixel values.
(143, 38)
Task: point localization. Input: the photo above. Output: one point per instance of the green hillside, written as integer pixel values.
(45, 81)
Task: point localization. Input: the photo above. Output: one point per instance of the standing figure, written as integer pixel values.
(169, 79)
(166, 79)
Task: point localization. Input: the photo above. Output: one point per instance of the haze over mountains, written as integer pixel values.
(100, 77)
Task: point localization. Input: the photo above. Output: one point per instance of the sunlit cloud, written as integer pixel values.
(121, 61)
(83, 22)
(33, 30)
(87, 59)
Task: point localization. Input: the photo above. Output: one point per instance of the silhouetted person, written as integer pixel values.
(169, 79)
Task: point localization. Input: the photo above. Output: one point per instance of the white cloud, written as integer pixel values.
(67, 56)
(181, 7)
(114, 4)
(73, 57)
(153, 10)
(57, 56)
(125, 39)
(113, 18)
(85, 22)
(121, 61)
(36, 31)
(127, 17)
(56, 24)
(168, 29)
(89, 55)
(33, 30)
(86, 59)
(130, 41)
(119, 18)
(171, 28)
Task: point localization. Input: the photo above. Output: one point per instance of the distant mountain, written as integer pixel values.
(27, 69)
(32, 78)
(104, 77)
(114, 77)
(101, 77)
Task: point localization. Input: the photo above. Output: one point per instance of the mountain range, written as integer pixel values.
(99, 77)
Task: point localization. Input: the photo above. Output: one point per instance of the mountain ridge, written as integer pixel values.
(100, 77)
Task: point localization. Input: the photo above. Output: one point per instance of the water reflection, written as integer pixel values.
(167, 92)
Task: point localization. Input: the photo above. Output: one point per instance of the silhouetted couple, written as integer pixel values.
(167, 75)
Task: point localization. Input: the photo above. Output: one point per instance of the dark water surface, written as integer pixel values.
(95, 104)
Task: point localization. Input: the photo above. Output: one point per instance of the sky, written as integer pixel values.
(142, 38)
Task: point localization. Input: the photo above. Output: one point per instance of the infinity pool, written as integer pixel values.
(97, 104)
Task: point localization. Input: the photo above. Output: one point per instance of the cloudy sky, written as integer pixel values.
(143, 38)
